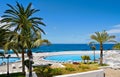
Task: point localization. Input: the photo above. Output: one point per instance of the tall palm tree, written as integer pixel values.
(101, 38)
(22, 20)
(34, 42)
(17, 43)
(28, 44)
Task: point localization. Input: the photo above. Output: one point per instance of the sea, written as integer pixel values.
(67, 47)
(70, 47)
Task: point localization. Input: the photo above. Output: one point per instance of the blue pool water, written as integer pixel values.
(66, 58)
(11, 59)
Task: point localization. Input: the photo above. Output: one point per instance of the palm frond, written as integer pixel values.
(13, 8)
(117, 46)
(40, 42)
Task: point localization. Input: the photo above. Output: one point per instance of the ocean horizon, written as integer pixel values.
(70, 47)
(66, 47)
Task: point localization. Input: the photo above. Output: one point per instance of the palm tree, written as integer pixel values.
(17, 43)
(4, 34)
(28, 44)
(93, 47)
(23, 21)
(83, 58)
(31, 43)
(101, 38)
(117, 46)
(87, 58)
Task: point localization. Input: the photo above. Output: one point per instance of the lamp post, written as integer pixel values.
(8, 65)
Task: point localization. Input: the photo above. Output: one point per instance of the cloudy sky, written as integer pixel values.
(73, 21)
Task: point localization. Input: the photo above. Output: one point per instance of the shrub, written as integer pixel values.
(46, 71)
(18, 74)
(26, 62)
(104, 65)
(83, 67)
(85, 57)
(70, 69)
(43, 71)
(57, 71)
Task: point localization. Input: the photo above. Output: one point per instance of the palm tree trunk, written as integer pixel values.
(30, 66)
(23, 65)
(101, 54)
(84, 61)
(30, 62)
(87, 61)
(94, 56)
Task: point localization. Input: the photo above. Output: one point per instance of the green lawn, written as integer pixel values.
(19, 74)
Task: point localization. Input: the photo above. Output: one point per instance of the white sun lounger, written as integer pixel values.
(13, 66)
(20, 66)
(116, 66)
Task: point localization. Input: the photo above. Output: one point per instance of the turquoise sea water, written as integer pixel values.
(67, 58)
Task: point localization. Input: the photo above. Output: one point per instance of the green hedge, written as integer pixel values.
(19, 74)
(46, 71)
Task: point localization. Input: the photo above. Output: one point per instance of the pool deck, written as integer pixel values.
(38, 59)
(13, 67)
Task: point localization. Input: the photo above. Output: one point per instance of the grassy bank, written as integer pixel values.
(47, 71)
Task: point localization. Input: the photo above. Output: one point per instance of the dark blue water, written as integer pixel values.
(68, 47)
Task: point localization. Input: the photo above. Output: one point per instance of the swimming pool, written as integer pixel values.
(69, 57)
(11, 59)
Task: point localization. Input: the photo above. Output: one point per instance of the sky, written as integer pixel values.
(73, 21)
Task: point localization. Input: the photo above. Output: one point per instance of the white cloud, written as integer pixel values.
(117, 26)
(1, 24)
(115, 29)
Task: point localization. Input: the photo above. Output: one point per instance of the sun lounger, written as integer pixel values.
(13, 66)
(20, 66)
(0, 72)
(115, 66)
